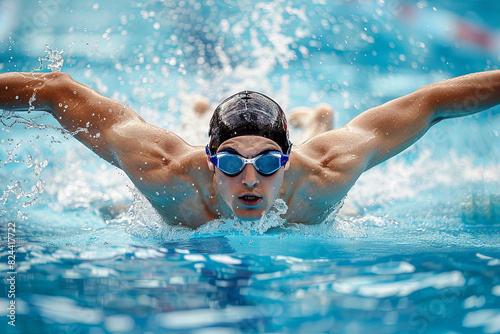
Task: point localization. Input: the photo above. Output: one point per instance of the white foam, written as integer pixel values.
(144, 220)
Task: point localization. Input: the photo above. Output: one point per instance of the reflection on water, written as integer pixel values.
(127, 288)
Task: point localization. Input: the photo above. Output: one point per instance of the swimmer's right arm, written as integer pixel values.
(78, 108)
(109, 128)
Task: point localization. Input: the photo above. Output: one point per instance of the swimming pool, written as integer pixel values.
(414, 250)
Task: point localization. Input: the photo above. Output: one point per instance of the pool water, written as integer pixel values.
(415, 248)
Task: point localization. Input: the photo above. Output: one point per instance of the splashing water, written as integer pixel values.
(144, 221)
(11, 118)
(268, 221)
(54, 58)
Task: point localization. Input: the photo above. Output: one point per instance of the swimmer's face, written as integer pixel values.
(249, 194)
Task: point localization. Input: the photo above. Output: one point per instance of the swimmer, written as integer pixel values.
(249, 161)
(313, 121)
(195, 118)
(201, 106)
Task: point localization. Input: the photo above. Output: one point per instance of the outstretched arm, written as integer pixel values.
(79, 109)
(111, 129)
(384, 131)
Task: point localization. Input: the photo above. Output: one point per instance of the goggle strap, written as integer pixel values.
(284, 158)
(213, 158)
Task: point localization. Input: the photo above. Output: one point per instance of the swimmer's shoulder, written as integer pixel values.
(183, 192)
(334, 152)
(328, 164)
(183, 184)
(155, 167)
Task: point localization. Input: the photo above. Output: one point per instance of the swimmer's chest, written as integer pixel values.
(182, 205)
(312, 202)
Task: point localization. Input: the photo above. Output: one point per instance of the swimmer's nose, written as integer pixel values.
(250, 177)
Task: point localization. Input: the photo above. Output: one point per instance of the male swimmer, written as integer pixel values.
(249, 161)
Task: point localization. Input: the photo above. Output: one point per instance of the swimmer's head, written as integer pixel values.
(248, 114)
(249, 194)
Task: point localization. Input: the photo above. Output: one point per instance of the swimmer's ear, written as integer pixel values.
(287, 165)
(210, 164)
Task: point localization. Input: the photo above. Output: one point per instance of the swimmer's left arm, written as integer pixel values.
(385, 131)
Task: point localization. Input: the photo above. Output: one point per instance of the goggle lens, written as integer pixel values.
(232, 164)
(268, 164)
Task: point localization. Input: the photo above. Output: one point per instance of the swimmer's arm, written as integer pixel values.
(78, 108)
(382, 132)
(109, 128)
(396, 125)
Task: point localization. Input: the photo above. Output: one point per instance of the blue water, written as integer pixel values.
(413, 250)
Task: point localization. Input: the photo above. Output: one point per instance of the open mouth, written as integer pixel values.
(250, 200)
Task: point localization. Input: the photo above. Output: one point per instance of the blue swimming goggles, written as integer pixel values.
(232, 164)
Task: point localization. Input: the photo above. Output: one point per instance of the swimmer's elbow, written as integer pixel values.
(52, 86)
(32, 90)
(427, 100)
(58, 76)
(57, 81)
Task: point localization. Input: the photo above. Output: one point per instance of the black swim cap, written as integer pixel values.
(248, 114)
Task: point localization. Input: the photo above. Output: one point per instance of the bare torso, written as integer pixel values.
(186, 194)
